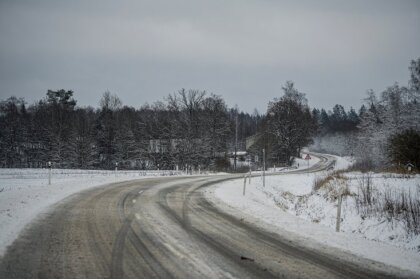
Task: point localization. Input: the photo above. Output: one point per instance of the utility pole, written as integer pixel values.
(236, 138)
(263, 167)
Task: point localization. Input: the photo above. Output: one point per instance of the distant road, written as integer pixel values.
(161, 228)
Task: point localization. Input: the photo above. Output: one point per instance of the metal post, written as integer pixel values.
(337, 227)
(236, 139)
(49, 172)
(244, 184)
(263, 167)
(116, 169)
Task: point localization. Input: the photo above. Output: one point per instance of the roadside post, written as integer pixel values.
(49, 172)
(337, 227)
(244, 184)
(263, 167)
(307, 158)
(249, 180)
(116, 168)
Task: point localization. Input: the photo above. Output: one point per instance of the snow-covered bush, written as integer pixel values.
(334, 180)
(403, 205)
(387, 203)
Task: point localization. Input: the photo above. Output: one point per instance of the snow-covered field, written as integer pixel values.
(370, 221)
(25, 193)
(289, 203)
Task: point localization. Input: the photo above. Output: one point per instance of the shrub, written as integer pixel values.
(391, 204)
(404, 148)
(323, 180)
(404, 206)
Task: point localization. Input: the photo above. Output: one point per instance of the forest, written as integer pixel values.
(196, 129)
(189, 128)
(384, 133)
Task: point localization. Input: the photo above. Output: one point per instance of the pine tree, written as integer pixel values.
(84, 147)
(12, 132)
(58, 110)
(404, 148)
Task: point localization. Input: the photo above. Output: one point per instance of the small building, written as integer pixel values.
(409, 167)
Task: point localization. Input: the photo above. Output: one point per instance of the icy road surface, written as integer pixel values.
(168, 228)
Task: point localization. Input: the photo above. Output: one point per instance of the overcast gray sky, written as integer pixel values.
(243, 50)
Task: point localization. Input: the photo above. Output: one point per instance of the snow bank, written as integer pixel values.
(288, 203)
(25, 193)
(376, 225)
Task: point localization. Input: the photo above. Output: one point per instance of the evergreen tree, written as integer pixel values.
(324, 121)
(404, 148)
(12, 132)
(353, 119)
(85, 148)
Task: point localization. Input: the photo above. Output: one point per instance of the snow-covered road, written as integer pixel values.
(167, 228)
(183, 226)
(25, 193)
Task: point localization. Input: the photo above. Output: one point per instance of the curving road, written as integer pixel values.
(163, 228)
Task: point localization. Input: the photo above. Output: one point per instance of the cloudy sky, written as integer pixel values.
(244, 50)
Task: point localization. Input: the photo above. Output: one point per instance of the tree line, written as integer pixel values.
(190, 128)
(195, 129)
(384, 132)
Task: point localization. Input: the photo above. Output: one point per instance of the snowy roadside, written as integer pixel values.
(340, 163)
(25, 193)
(289, 206)
(298, 164)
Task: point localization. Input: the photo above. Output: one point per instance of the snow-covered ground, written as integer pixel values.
(370, 221)
(289, 203)
(340, 163)
(298, 164)
(25, 193)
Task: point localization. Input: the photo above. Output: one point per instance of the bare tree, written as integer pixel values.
(110, 101)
